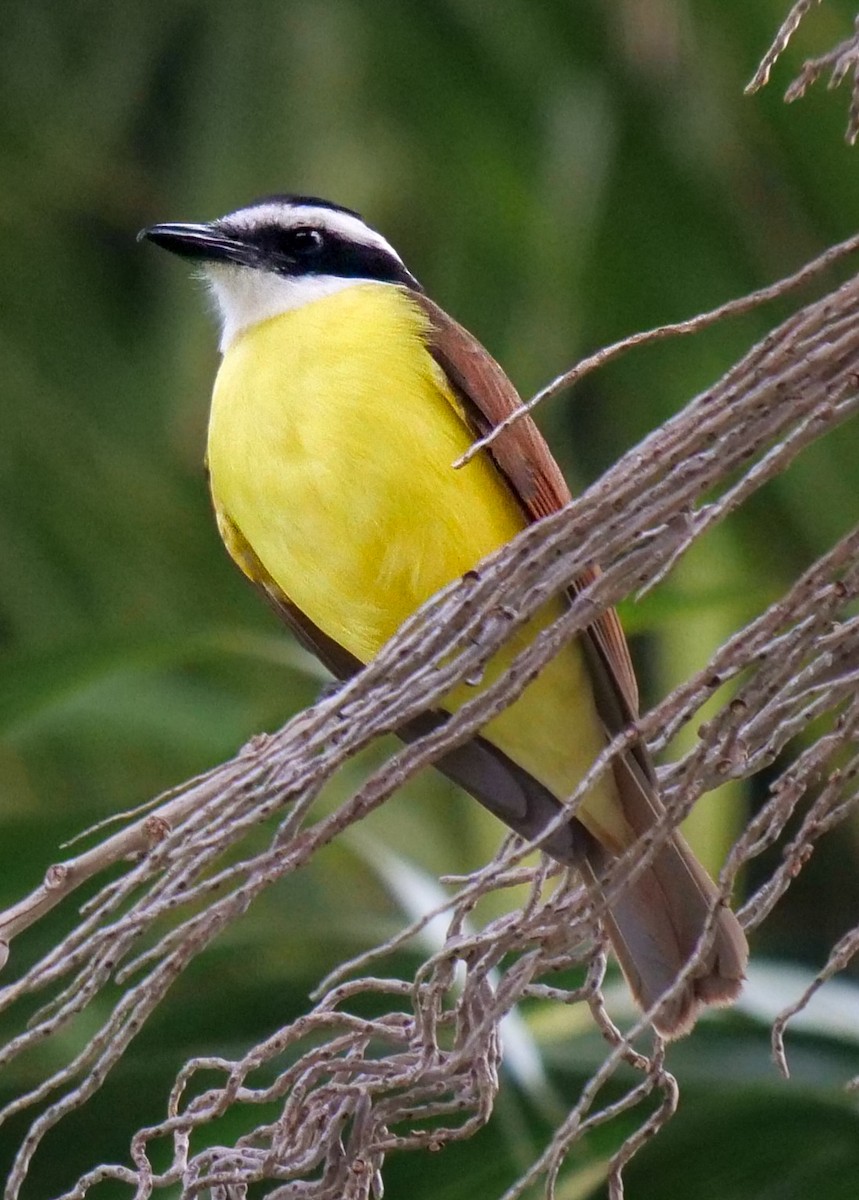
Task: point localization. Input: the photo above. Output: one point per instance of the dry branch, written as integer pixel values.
(842, 60)
(350, 1090)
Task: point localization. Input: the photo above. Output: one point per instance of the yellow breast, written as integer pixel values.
(331, 443)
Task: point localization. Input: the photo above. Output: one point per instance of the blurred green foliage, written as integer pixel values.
(558, 175)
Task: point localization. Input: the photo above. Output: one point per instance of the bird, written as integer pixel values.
(343, 398)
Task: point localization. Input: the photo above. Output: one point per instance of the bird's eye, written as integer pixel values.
(305, 241)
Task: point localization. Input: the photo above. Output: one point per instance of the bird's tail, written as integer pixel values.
(658, 921)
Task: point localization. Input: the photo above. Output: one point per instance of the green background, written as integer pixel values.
(558, 173)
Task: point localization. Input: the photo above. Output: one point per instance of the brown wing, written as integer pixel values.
(522, 456)
(655, 924)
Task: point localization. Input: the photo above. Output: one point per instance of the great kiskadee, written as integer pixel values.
(343, 399)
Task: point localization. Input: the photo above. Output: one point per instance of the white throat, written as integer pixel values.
(245, 296)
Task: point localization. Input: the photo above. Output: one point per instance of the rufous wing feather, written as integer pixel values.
(658, 921)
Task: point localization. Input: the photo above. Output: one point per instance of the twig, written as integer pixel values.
(733, 308)
(842, 60)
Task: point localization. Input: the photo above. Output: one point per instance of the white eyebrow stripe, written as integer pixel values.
(292, 215)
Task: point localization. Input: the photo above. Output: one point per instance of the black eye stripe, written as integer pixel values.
(314, 250)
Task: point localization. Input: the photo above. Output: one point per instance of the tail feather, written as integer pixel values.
(657, 922)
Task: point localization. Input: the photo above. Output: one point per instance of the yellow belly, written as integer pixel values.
(331, 440)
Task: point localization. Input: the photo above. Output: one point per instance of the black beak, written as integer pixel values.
(204, 242)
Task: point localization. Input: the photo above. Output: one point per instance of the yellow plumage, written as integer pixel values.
(331, 442)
